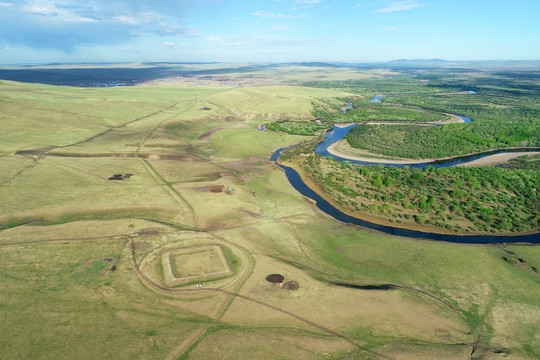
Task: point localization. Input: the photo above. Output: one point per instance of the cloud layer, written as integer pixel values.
(66, 24)
(399, 6)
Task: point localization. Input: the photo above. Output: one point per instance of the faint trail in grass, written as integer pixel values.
(123, 322)
(156, 175)
(118, 127)
(44, 151)
(295, 316)
(152, 130)
(243, 277)
(26, 168)
(83, 171)
(188, 343)
(176, 194)
(172, 290)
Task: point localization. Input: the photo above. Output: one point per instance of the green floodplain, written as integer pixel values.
(117, 202)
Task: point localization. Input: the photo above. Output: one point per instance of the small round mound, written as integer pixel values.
(291, 285)
(275, 278)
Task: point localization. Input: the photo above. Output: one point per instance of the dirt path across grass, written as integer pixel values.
(192, 339)
(304, 320)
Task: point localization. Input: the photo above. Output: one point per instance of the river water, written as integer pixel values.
(337, 134)
(297, 182)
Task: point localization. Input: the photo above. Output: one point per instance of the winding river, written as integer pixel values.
(337, 134)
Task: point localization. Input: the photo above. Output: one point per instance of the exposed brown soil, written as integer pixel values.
(120, 176)
(211, 188)
(251, 213)
(291, 285)
(208, 135)
(217, 188)
(148, 232)
(251, 164)
(275, 278)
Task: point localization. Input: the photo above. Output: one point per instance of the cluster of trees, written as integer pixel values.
(298, 127)
(458, 198)
(366, 111)
(525, 162)
(418, 142)
(505, 112)
(498, 122)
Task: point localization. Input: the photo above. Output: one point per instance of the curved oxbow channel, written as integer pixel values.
(337, 134)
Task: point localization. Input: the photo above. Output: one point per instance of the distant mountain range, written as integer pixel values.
(436, 63)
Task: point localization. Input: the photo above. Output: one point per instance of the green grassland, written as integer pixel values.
(80, 266)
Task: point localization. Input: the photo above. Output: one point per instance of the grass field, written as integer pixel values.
(81, 261)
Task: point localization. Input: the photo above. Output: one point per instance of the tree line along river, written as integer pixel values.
(337, 134)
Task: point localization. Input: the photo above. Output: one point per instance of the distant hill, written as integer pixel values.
(119, 74)
(477, 64)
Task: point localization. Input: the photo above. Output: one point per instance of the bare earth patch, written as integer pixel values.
(208, 135)
(211, 188)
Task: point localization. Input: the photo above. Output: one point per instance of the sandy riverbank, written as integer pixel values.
(346, 151)
(498, 158)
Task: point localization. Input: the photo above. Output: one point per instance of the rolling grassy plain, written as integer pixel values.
(81, 260)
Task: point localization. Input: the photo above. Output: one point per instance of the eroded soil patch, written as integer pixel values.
(120, 176)
(291, 285)
(211, 188)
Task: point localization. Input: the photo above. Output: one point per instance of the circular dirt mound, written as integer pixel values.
(291, 285)
(275, 278)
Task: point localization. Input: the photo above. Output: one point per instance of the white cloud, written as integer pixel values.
(266, 14)
(66, 25)
(399, 6)
(278, 28)
(305, 2)
(138, 19)
(263, 41)
(214, 38)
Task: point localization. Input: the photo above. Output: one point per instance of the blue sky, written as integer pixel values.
(43, 31)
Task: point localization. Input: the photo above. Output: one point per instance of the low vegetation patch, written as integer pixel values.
(306, 128)
(525, 162)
